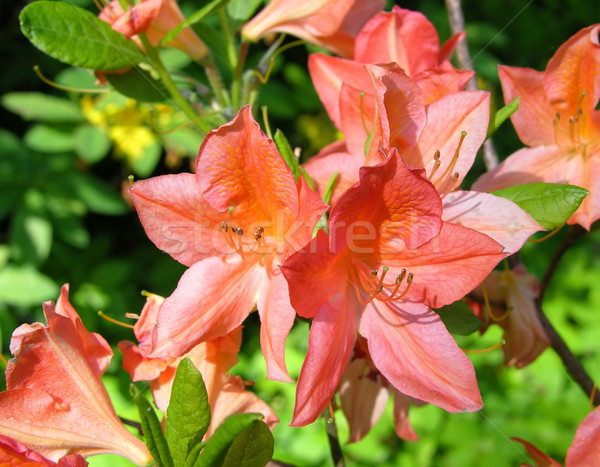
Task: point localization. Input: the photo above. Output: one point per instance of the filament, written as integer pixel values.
(489, 349)
(67, 88)
(463, 135)
(436, 164)
(331, 415)
(545, 237)
(114, 321)
(592, 395)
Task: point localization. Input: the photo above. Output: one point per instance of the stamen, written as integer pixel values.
(489, 349)
(463, 135)
(572, 130)
(330, 419)
(453, 184)
(224, 226)
(547, 236)
(114, 321)
(258, 233)
(436, 165)
(555, 123)
(399, 278)
(3, 359)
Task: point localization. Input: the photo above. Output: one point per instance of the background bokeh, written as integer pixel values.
(63, 218)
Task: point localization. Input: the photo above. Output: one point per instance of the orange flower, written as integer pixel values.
(227, 393)
(156, 18)
(13, 453)
(55, 401)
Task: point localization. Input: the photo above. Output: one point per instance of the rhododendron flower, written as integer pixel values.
(443, 137)
(388, 259)
(330, 23)
(55, 402)
(155, 18)
(584, 450)
(524, 335)
(13, 453)
(227, 393)
(232, 223)
(558, 120)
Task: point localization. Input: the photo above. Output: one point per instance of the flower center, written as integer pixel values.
(574, 130)
(373, 283)
(448, 180)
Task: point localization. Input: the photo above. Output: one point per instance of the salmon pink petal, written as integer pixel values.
(411, 347)
(212, 298)
(498, 218)
(585, 449)
(13, 453)
(589, 211)
(403, 208)
(437, 82)
(401, 36)
(135, 20)
(330, 344)
(447, 49)
(185, 226)
(140, 367)
(540, 458)
(276, 317)
(534, 119)
(363, 399)
(334, 158)
(574, 69)
(329, 73)
(402, 424)
(449, 266)
(447, 118)
(239, 166)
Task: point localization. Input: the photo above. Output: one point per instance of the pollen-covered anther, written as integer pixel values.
(258, 233)
(436, 165)
(375, 290)
(442, 179)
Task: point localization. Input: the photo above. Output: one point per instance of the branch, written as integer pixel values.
(334, 443)
(457, 25)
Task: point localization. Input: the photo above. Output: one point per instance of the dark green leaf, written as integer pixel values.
(155, 440)
(44, 138)
(551, 204)
(251, 448)
(91, 143)
(38, 106)
(216, 448)
(198, 16)
(501, 115)
(286, 152)
(31, 230)
(242, 10)
(139, 85)
(77, 37)
(188, 415)
(459, 319)
(25, 286)
(97, 196)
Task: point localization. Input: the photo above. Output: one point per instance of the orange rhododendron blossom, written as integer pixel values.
(227, 393)
(155, 18)
(15, 454)
(443, 137)
(329, 23)
(388, 259)
(524, 335)
(55, 402)
(232, 223)
(558, 120)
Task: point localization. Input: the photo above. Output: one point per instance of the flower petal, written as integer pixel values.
(411, 347)
(402, 424)
(585, 449)
(442, 80)
(540, 458)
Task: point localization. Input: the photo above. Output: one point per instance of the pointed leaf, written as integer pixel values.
(284, 148)
(91, 143)
(138, 84)
(501, 115)
(25, 286)
(38, 106)
(251, 448)
(202, 13)
(188, 415)
(216, 448)
(155, 440)
(77, 37)
(459, 319)
(47, 139)
(242, 10)
(550, 204)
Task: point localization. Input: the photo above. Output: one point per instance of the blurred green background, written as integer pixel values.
(63, 218)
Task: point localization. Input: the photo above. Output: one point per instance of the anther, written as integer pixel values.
(239, 232)
(436, 165)
(224, 226)
(374, 272)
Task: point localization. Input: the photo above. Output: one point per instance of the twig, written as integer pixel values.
(457, 25)
(136, 425)
(334, 442)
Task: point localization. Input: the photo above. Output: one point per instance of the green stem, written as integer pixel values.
(165, 77)
(232, 59)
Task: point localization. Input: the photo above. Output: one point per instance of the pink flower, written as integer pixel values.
(232, 223)
(332, 24)
(388, 259)
(55, 401)
(156, 18)
(13, 453)
(558, 120)
(227, 393)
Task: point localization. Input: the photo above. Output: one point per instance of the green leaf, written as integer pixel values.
(77, 37)
(38, 106)
(25, 286)
(242, 10)
(92, 144)
(31, 230)
(139, 85)
(188, 415)
(286, 152)
(216, 448)
(550, 204)
(47, 139)
(155, 440)
(198, 16)
(251, 448)
(459, 318)
(97, 196)
(145, 163)
(501, 115)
